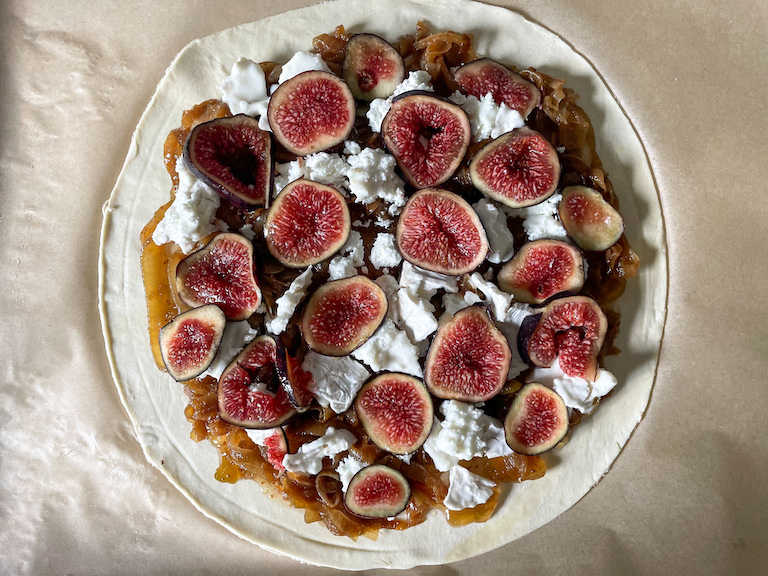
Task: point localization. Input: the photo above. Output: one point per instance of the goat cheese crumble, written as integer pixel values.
(287, 303)
(418, 80)
(309, 458)
(336, 380)
(384, 252)
(576, 392)
(347, 469)
(500, 240)
(353, 256)
(390, 349)
(542, 220)
(486, 118)
(466, 489)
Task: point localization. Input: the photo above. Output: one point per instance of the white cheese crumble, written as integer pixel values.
(192, 215)
(495, 439)
(353, 256)
(309, 458)
(462, 430)
(259, 437)
(245, 91)
(510, 327)
(384, 252)
(322, 167)
(336, 380)
(466, 489)
(372, 175)
(390, 349)
(236, 336)
(347, 469)
(418, 80)
(500, 240)
(388, 284)
(486, 118)
(287, 303)
(452, 303)
(499, 301)
(247, 231)
(576, 392)
(424, 282)
(302, 62)
(443, 461)
(414, 314)
(542, 220)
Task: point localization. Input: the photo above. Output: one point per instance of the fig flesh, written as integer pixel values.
(221, 273)
(541, 269)
(592, 222)
(428, 136)
(479, 77)
(341, 315)
(396, 412)
(439, 231)
(277, 447)
(248, 391)
(189, 342)
(468, 359)
(377, 491)
(294, 380)
(372, 67)
(307, 223)
(234, 157)
(311, 112)
(572, 329)
(518, 169)
(537, 420)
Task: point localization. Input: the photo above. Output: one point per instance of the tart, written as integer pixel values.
(360, 296)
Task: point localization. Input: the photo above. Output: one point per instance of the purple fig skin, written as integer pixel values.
(524, 336)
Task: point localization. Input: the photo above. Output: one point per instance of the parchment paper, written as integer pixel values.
(686, 495)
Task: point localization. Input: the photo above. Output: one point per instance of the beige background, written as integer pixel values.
(688, 493)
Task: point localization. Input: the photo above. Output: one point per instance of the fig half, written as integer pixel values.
(468, 359)
(592, 222)
(428, 136)
(541, 269)
(377, 491)
(518, 169)
(249, 394)
(439, 231)
(536, 421)
(572, 329)
(221, 273)
(372, 67)
(482, 76)
(189, 342)
(396, 412)
(307, 223)
(311, 112)
(234, 157)
(341, 315)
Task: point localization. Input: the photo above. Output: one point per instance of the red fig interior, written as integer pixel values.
(372, 67)
(592, 222)
(536, 421)
(189, 342)
(377, 491)
(484, 76)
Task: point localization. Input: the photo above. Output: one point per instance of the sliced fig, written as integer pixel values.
(541, 269)
(572, 328)
(592, 222)
(249, 394)
(377, 491)
(396, 412)
(428, 136)
(277, 447)
(341, 315)
(234, 157)
(468, 359)
(518, 169)
(524, 335)
(189, 342)
(311, 112)
(439, 231)
(536, 421)
(372, 67)
(294, 380)
(221, 273)
(307, 223)
(482, 76)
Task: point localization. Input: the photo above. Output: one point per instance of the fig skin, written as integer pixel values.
(227, 260)
(468, 359)
(388, 478)
(243, 386)
(574, 329)
(524, 335)
(479, 77)
(592, 222)
(293, 378)
(239, 169)
(427, 135)
(204, 327)
(518, 169)
(333, 313)
(429, 221)
(541, 269)
(537, 420)
(318, 106)
(308, 223)
(386, 397)
(372, 67)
